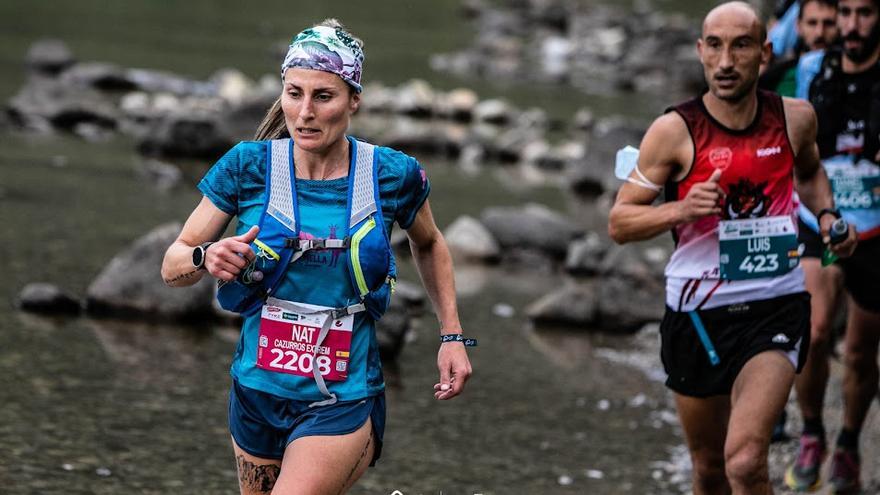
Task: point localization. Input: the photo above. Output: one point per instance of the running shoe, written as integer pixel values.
(845, 471)
(804, 476)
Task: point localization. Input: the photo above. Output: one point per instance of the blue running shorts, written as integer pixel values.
(263, 424)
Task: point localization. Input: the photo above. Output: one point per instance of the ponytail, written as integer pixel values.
(273, 125)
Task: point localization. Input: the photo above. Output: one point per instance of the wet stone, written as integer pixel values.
(49, 56)
(532, 227)
(47, 298)
(130, 285)
(469, 240)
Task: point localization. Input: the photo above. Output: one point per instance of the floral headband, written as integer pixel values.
(327, 49)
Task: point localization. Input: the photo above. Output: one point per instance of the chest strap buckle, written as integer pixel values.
(308, 244)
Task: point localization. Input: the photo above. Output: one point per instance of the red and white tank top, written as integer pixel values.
(757, 178)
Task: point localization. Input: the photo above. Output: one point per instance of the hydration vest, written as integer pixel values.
(825, 90)
(371, 265)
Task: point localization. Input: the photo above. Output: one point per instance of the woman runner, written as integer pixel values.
(306, 406)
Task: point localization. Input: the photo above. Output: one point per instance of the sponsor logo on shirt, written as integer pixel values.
(764, 152)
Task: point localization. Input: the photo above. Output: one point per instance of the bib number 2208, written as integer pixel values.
(291, 361)
(288, 342)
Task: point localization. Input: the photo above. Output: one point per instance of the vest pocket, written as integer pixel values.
(362, 232)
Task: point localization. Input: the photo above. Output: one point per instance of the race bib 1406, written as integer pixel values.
(856, 185)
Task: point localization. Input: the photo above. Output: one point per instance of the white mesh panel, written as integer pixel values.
(362, 201)
(281, 191)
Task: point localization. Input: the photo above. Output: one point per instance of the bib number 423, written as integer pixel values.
(757, 247)
(760, 263)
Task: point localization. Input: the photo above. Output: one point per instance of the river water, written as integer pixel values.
(103, 406)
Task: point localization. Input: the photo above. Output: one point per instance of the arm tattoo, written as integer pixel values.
(182, 276)
(257, 478)
(356, 464)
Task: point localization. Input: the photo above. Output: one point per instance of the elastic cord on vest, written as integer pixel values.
(643, 181)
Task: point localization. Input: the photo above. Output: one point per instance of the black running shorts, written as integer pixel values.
(861, 274)
(738, 333)
(861, 271)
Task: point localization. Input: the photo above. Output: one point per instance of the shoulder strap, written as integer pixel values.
(281, 200)
(364, 189)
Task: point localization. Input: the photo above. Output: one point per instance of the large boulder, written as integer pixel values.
(612, 305)
(232, 85)
(585, 255)
(240, 121)
(156, 81)
(412, 295)
(391, 330)
(625, 305)
(131, 284)
(459, 104)
(637, 262)
(573, 305)
(595, 172)
(187, 135)
(44, 102)
(497, 112)
(531, 227)
(41, 297)
(97, 75)
(415, 98)
(469, 240)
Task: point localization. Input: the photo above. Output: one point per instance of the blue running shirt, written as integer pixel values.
(236, 185)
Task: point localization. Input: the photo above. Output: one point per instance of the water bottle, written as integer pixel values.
(838, 233)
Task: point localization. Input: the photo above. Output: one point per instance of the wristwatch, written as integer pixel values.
(199, 254)
(827, 211)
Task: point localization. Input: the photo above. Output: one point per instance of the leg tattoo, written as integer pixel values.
(258, 478)
(357, 463)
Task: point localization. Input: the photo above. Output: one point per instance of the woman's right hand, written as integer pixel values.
(226, 258)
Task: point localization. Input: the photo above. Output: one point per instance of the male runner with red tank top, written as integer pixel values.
(737, 319)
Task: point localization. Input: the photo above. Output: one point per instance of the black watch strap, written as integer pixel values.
(827, 211)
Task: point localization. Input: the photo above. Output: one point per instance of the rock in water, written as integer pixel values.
(626, 305)
(391, 330)
(49, 56)
(532, 227)
(573, 305)
(469, 240)
(131, 284)
(585, 255)
(41, 297)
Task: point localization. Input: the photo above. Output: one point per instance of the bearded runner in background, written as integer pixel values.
(817, 30)
(843, 84)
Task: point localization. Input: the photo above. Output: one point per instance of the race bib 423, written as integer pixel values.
(757, 247)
